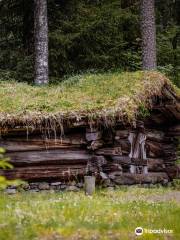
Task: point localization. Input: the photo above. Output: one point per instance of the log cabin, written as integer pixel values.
(121, 127)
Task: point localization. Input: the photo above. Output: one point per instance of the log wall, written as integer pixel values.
(122, 155)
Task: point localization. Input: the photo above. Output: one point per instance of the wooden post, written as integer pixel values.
(89, 185)
(132, 169)
(145, 170)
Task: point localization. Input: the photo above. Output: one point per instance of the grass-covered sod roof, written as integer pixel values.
(88, 95)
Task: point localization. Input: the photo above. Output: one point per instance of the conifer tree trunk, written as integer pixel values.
(148, 29)
(41, 42)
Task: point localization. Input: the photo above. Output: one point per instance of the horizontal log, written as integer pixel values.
(125, 160)
(17, 131)
(174, 131)
(63, 172)
(153, 164)
(174, 109)
(159, 118)
(154, 135)
(155, 149)
(121, 134)
(124, 144)
(45, 172)
(49, 157)
(128, 161)
(173, 171)
(109, 151)
(111, 167)
(129, 179)
(32, 144)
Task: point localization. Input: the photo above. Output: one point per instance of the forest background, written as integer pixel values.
(87, 35)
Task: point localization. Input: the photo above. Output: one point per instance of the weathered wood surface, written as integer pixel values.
(155, 149)
(63, 173)
(173, 171)
(37, 143)
(125, 146)
(121, 134)
(137, 141)
(109, 151)
(154, 164)
(174, 131)
(38, 157)
(129, 179)
(45, 172)
(36, 146)
(174, 109)
(49, 157)
(154, 135)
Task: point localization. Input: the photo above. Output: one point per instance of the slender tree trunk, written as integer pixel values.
(41, 42)
(148, 29)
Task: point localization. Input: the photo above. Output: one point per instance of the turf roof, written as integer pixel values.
(88, 95)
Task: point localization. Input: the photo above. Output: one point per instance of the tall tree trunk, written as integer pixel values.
(148, 29)
(41, 42)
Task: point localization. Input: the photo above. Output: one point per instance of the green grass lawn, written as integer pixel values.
(106, 215)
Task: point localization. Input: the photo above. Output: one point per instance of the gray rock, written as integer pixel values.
(80, 185)
(56, 183)
(33, 185)
(72, 188)
(63, 187)
(44, 186)
(10, 191)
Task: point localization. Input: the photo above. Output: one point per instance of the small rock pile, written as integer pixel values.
(45, 186)
(73, 186)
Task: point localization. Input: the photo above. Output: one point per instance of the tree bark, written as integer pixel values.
(148, 29)
(41, 42)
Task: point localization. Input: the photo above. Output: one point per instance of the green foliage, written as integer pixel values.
(176, 184)
(4, 161)
(95, 36)
(4, 165)
(87, 35)
(144, 111)
(169, 52)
